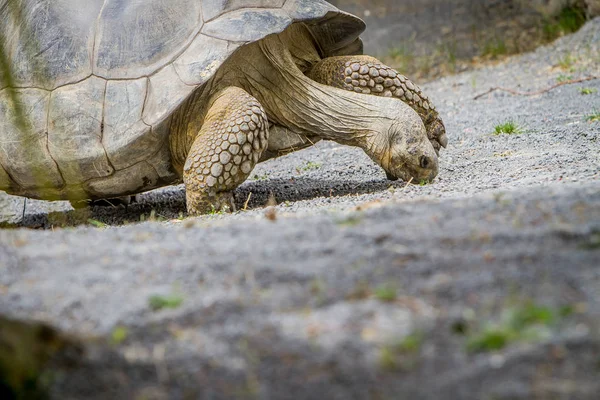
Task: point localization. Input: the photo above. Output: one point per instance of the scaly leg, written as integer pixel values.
(367, 75)
(228, 146)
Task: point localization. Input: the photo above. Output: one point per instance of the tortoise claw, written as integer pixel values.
(436, 132)
(443, 140)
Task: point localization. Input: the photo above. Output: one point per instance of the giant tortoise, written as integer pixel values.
(124, 96)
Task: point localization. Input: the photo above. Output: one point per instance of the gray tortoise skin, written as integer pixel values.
(101, 82)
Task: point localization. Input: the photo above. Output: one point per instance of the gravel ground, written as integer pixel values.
(351, 286)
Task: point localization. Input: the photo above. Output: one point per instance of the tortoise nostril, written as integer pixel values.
(424, 161)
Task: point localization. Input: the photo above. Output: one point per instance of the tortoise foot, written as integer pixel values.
(199, 203)
(228, 146)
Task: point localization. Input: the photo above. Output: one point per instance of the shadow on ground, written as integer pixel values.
(169, 203)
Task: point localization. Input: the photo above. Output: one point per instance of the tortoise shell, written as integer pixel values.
(98, 81)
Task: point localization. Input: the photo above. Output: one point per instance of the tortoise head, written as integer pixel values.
(403, 149)
(410, 156)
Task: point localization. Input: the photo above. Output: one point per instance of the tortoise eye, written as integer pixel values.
(424, 161)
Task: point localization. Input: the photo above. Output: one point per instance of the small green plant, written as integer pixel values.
(158, 302)
(528, 322)
(400, 57)
(424, 182)
(571, 19)
(152, 217)
(568, 21)
(309, 166)
(352, 220)
(564, 78)
(586, 91)
(386, 293)
(118, 335)
(594, 117)
(447, 54)
(262, 177)
(96, 223)
(451, 51)
(567, 62)
(508, 128)
(411, 343)
(531, 314)
(566, 311)
(387, 359)
(214, 211)
(400, 52)
(494, 48)
(551, 30)
(491, 339)
(401, 355)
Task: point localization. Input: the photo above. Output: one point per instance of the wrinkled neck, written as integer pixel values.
(267, 71)
(303, 104)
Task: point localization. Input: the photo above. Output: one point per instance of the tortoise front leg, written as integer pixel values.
(368, 75)
(228, 146)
